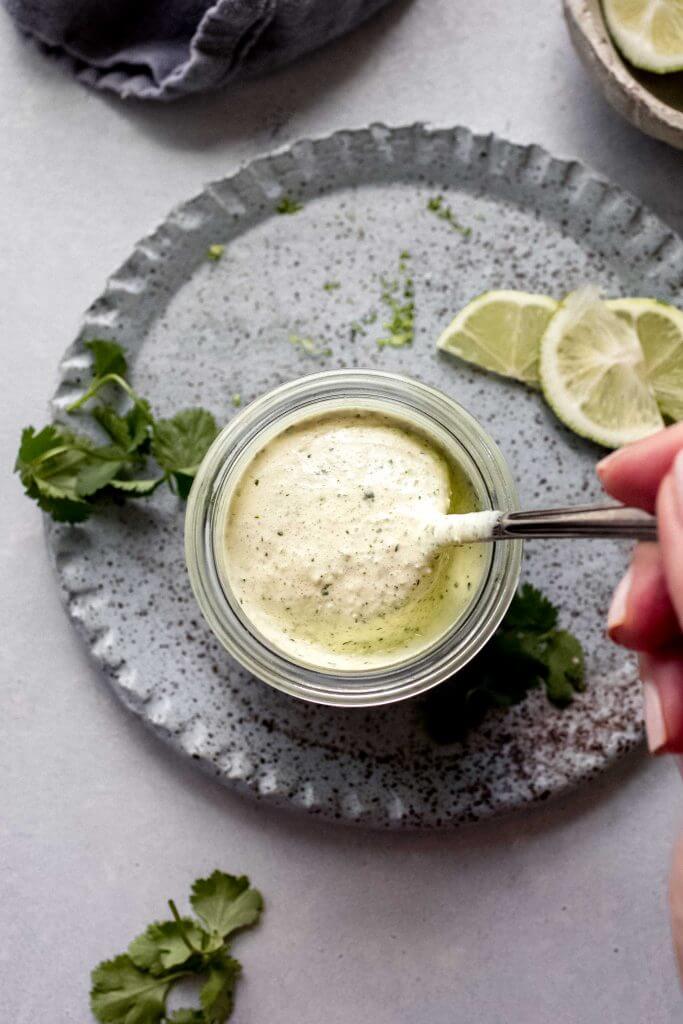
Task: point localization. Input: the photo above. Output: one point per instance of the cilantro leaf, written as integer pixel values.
(187, 1016)
(496, 678)
(167, 944)
(179, 444)
(129, 431)
(48, 464)
(123, 994)
(63, 510)
(108, 357)
(218, 992)
(94, 474)
(33, 445)
(566, 668)
(225, 902)
(526, 652)
(36, 448)
(137, 488)
(138, 420)
(183, 482)
(530, 609)
(114, 425)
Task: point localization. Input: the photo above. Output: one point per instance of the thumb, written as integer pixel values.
(662, 676)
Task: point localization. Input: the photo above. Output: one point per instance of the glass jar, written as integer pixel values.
(434, 414)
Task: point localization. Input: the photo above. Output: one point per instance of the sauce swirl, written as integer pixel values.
(333, 541)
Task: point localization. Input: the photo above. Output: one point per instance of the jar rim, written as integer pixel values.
(298, 399)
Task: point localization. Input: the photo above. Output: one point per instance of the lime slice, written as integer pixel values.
(593, 372)
(659, 327)
(649, 33)
(501, 331)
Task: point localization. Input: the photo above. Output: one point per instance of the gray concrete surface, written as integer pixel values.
(555, 917)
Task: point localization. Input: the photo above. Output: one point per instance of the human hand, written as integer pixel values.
(646, 614)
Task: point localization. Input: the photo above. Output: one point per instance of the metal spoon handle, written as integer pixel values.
(581, 521)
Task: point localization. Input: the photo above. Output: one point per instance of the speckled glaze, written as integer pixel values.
(198, 331)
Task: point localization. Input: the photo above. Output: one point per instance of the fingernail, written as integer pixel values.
(603, 463)
(616, 615)
(654, 719)
(678, 483)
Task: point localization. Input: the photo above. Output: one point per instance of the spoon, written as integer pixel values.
(582, 521)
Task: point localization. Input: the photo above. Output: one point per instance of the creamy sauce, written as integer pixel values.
(334, 541)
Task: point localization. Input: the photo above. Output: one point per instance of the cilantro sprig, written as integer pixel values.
(133, 988)
(526, 651)
(70, 476)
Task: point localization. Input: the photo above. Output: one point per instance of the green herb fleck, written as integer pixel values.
(331, 286)
(436, 205)
(287, 205)
(309, 346)
(179, 444)
(214, 252)
(399, 297)
(108, 357)
(237, 400)
(526, 651)
(133, 987)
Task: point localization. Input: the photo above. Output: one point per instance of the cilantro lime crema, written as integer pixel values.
(338, 545)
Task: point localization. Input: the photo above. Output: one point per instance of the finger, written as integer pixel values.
(633, 474)
(641, 615)
(676, 903)
(662, 676)
(670, 527)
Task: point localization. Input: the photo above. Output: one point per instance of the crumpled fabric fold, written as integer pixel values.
(165, 49)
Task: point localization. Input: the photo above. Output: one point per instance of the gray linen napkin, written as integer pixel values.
(164, 49)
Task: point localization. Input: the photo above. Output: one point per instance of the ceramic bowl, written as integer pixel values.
(651, 102)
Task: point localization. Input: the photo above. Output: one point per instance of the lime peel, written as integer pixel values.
(593, 372)
(649, 33)
(501, 331)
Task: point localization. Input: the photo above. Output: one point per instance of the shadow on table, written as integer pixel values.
(617, 149)
(261, 106)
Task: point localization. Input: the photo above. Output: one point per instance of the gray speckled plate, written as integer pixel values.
(199, 331)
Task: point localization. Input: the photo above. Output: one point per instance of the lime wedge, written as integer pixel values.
(659, 327)
(501, 331)
(649, 33)
(593, 372)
